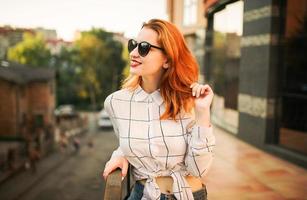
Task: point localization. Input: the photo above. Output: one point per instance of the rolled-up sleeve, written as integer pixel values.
(109, 109)
(199, 157)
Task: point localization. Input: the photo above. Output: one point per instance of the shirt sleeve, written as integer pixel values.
(110, 110)
(199, 157)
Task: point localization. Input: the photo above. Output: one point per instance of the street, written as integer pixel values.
(75, 176)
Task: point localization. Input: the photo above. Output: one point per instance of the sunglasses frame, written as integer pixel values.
(138, 45)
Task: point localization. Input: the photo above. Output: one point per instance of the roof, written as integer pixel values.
(21, 74)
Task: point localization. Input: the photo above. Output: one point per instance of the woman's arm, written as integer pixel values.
(199, 157)
(117, 159)
(201, 140)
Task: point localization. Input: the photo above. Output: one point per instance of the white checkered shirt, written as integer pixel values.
(157, 147)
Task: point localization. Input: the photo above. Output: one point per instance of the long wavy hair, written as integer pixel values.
(181, 73)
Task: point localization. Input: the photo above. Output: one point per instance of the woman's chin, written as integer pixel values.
(134, 72)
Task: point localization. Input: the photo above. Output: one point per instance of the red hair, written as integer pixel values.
(181, 73)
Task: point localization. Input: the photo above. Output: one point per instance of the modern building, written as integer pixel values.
(255, 59)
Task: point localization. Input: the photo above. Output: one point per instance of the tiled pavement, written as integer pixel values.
(241, 171)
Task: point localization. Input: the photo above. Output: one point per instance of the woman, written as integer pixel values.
(162, 118)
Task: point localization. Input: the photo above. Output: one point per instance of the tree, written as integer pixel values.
(32, 50)
(68, 75)
(101, 64)
(125, 56)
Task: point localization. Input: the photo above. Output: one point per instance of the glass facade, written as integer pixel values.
(293, 109)
(225, 52)
(278, 31)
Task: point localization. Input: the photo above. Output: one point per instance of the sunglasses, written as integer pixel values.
(143, 47)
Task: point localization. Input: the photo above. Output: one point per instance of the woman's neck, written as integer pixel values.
(150, 85)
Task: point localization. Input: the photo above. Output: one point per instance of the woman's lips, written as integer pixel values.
(134, 63)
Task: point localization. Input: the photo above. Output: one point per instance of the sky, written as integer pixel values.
(67, 16)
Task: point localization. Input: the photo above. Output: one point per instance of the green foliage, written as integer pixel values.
(125, 56)
(67, 76)
(101, 65)
(31, 51)
(87, 71)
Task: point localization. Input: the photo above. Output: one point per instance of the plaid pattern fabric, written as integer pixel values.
(157, 147)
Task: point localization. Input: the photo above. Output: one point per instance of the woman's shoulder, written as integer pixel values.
(122, 94)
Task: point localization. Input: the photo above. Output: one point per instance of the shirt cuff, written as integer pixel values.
(117, 153)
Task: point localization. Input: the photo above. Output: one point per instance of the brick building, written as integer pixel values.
(26, 95)
(27, 101)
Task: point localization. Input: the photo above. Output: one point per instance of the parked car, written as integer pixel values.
(65, 110)
(104, 120)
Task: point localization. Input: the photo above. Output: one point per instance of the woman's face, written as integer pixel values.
(152, 64)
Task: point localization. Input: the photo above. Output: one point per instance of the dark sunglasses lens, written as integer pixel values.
(144, 48)
(131, 45)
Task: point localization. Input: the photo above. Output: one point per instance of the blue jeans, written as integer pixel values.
(137, 193)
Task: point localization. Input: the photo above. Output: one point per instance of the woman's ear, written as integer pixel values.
(165, 64)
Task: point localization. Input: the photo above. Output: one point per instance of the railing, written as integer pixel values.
(116, 188)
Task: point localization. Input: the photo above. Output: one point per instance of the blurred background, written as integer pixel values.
(60, 59)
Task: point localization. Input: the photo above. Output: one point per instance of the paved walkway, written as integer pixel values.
(241, 171)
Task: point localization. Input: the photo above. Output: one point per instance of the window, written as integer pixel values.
(190, 12)
(293, 110)
(224, 52)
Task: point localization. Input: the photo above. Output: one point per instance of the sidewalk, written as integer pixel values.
(23, 181)
(241, 171)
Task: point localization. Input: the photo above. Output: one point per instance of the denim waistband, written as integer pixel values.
(137, 193)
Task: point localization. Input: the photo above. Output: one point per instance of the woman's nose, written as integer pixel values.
(134, 53)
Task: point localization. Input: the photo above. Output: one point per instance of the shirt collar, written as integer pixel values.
(141, 95)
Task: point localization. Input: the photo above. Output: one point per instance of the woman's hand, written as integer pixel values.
(203, 98)
(117, 162)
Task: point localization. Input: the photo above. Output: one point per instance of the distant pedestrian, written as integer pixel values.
(11, 158)
(34, 156)
(63, 142)
(90, 143)
(76, 143)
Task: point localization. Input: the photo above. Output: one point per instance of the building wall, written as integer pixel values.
(7, 109)
(258, 71)
(251, 118)
(175, 9)
(41, 100)
(261, 72)
(21, 103)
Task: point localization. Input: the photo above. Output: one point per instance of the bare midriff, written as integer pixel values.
(165, 183)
